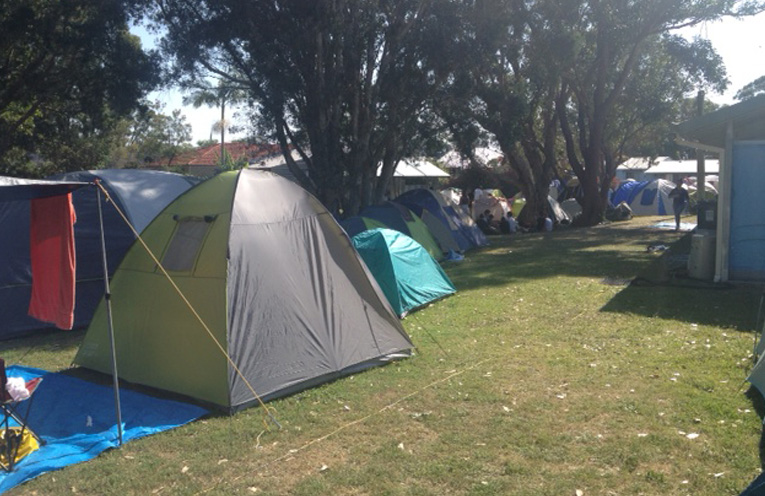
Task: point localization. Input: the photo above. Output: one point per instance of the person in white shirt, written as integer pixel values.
(511, 225)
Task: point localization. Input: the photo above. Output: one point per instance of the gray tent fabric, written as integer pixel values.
(277, 282)
(142, 193)
(19, 189)
(559, 215)
(440, 232)
(322, 311)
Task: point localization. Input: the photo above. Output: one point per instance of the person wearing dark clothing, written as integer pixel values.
(680, 199)
(508, 225)
(484, 224)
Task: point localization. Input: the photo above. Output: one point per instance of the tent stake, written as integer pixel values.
(107, 297)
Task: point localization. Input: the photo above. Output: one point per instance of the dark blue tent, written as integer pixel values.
(466, 225)
(140, 194)
(388, 214)
(424, 200)
(645, 197)
(628, 191)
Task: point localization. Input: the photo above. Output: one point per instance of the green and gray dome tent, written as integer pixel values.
(407, 274)
(272, 275)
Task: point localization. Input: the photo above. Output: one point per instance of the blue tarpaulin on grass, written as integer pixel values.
(75, 420)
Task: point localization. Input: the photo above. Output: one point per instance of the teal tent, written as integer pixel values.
(404, 270)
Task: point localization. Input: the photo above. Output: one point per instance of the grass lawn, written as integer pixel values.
(546, 374)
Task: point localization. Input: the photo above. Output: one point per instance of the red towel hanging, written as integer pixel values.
(51, 247)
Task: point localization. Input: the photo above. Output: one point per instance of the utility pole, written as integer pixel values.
(701, 179)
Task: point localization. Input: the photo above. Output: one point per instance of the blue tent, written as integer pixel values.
(408, 276)
(357, 223)
(645, 197)
(424, 200)
(140, 194)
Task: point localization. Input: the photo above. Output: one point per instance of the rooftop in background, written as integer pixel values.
(205, 161)
(745, 118)
(688, 167)
(640, 163)
(484, 156)
(416, 168)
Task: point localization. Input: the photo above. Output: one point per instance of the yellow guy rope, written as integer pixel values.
(310, 443)
(191, 308)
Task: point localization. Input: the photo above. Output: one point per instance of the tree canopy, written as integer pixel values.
(572, 85)
(346, 84)
(149, 136)
(752, 89)
(68, 71)
(619, 43)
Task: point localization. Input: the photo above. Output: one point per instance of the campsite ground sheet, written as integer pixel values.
(76, 421)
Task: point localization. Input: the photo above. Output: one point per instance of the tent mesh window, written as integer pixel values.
(182, 252)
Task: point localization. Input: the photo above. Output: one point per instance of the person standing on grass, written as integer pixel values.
(680, 199)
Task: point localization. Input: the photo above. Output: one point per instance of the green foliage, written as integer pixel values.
(68, 71)
(575, 85)
(149, 136)
(628, 63)
(346, 83)
(215, 96)
(750, 90)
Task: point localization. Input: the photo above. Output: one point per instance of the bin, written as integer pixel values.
(706, 212)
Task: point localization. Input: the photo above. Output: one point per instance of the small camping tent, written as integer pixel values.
(399, 218)
(463, 230)
(557, 213)
(276, 281)
(645, 197)
(463, 220)
(421, 201)
(496, 206)
(140, 194)
(407, 274)
(356, 224)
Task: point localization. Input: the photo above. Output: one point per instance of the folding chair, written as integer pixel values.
(16, 440)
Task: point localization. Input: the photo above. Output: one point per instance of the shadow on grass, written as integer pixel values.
(664, 290)
(55, 338)
(613, 251)
(758, 403)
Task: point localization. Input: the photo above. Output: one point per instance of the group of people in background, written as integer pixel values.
(509, 225)
(505, 225)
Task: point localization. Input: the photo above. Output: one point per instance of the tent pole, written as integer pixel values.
(107, 298)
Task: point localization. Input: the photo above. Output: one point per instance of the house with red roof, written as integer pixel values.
(206, 161)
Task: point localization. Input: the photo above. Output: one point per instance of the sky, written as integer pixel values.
(740, 43)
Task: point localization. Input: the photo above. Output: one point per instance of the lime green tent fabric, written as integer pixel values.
(407, 274)
(396, 216)
(272, 275)
(372, 223)
(420, 233)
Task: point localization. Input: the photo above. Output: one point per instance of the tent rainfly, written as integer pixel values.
(407, 274)
(140, 194)
(395, 216)
(645, 197)
(273, 277)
